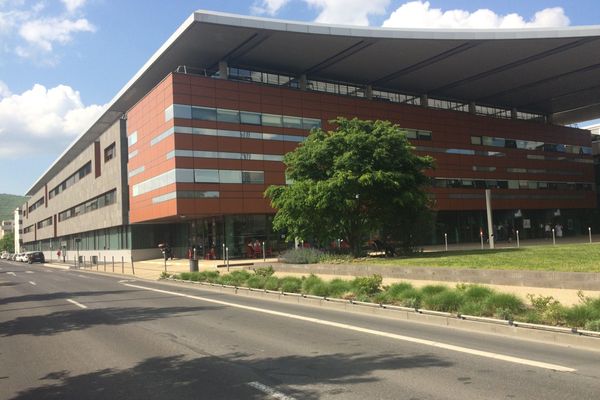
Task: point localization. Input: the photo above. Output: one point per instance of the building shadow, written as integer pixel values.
(227, 377)
(60, 295)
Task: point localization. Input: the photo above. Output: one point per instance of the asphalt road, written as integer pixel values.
(66, 334)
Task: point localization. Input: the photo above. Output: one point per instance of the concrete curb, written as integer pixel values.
(498, 327)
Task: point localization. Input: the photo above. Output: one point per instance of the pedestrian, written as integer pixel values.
(547, 231)
(558, 229)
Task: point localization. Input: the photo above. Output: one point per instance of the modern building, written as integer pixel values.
(18, 229)
(184, 152)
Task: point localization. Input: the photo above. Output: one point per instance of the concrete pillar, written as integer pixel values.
(302, 82)
(424, 100)
(369, 92)
(550, 119)
(513, 113)
(472, 108)
(223, 71)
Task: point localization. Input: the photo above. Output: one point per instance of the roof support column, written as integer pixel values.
(369, 92)
(550, 119)
(223, 70)
(513, 113)
(302, 81)
(424, 100)
(472, 108)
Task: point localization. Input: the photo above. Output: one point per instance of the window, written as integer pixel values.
(253, 177)
(109, 152)
(93, 204)
(204, 113)
(132, 139)
(232, 116)
(250, 118)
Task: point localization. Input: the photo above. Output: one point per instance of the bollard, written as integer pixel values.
(481, 238)
(104, 257)
(446, 240)
(590, 232)
(113, 263)
(122, 265)
(227, 257)
(264, 252)
(224, 258)
(518, 239)
(132, 267)
(553, 237)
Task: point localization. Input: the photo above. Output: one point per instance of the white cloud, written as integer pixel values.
(270, 7)
(348, 12)
(72, 5)
(4, 91)
(44, 32)
(43, 119)
(419, 14)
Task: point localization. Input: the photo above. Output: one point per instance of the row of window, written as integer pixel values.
(187, 194)
(224, 155)
(110, 152)
(239, 117)
(28, 229)
(103, 200)
(356, 90)
(530, 145)
(44, 223)
(37, 204)
(464, 152)
(502, 196)
(508, 184)
(71, 180)
(182, 175)
(479, 168)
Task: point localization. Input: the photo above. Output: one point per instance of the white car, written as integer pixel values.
(21, 257)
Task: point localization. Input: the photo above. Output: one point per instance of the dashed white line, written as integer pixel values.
(11, 273)
(29, 272)
(425, 342)
(76, 303)
(270, 391)
(33, 283)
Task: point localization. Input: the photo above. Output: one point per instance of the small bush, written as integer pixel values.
(593, 325)
(309, 282)
(185, 276)
(290, 284)
(447, 301)
(271, 283)
(256, 282)
(410, 298)
(367, 285)
(395, 290)
(236, 278)
(581, 314)
(505, 302)
(431, 290)
(477, 293)
(472, 308)
(302, 256)
(339, 287)
(209, 276)
(264, 271)
(319, 289)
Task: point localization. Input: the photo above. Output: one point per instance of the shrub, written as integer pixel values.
(395, 290)
(448, 301)
(593, 325)
(271, 283)
(236, 278)
(549, 310)
(581, 314)
(256, 282)
(264, 271)
(319, 289)
(367, 285)
(309, 282)
(302, 256)
(209, 276)
(477, 293)
(290, 284)
(472, 308)
(339, 287)
(505, 302)
(185, 276)
(430, 290)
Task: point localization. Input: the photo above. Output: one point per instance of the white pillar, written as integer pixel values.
(488, 207)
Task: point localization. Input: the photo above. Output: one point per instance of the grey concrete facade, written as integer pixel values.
(105, 176)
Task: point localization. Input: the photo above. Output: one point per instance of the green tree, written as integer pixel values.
(360, 178)
(7, 243)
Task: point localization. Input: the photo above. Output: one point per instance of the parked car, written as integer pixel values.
(22, 257)
(35, 256)
(4, 255)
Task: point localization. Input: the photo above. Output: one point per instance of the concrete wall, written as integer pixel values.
(105, 176)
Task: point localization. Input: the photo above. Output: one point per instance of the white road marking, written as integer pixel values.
(11, 273)
(76, 303)
(270, 391)
(29, 272)
(409, 339)
(33, 283)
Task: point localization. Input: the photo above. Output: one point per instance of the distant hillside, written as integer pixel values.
(8, 203)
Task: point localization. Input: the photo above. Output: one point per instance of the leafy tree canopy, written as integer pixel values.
(361, 177)
(7, 243)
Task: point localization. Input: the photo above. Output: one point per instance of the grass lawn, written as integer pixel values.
(566, 258)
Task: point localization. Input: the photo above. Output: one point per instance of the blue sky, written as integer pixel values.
(62, 60)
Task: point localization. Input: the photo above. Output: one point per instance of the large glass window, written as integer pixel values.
(204, 113)
(250, 118)
(232, 116)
